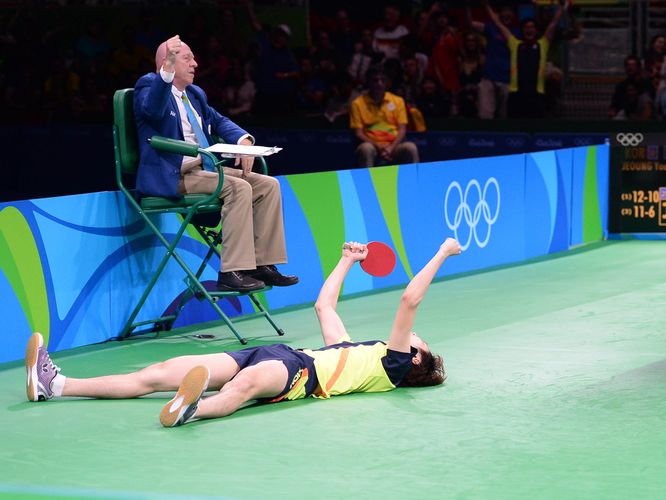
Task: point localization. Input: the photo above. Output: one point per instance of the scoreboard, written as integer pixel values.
(637, 194)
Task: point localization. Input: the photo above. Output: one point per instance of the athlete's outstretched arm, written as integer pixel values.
(332, 328)
(413, 295)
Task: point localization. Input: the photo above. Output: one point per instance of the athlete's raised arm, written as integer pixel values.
(332, 328)
(401, 332)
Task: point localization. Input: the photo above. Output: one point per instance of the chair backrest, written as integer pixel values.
(127, 146)
(126, 139)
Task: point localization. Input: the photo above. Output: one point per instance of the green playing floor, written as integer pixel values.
(556, 389)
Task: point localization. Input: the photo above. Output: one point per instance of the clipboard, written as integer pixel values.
(234, 150)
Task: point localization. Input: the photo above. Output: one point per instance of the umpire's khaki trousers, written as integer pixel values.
(252, 226)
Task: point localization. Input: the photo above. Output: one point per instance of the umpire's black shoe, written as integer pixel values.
(272, 277)
(238, 281)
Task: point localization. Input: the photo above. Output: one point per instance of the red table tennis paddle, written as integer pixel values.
(380, 260)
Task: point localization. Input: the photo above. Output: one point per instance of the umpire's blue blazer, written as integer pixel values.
(156, 113)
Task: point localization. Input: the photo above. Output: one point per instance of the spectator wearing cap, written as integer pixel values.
(277, 70)
(379, 121)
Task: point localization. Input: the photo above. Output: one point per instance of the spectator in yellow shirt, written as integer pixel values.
(379, 120)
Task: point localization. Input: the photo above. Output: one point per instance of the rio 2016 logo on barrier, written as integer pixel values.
(629, 139)
(463, 212)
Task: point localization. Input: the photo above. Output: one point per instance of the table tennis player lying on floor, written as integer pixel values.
(270, 373)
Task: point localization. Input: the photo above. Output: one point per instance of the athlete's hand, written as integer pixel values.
(354, 251)
(451, 247)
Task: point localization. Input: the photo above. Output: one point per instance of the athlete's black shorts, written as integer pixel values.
(295, 361)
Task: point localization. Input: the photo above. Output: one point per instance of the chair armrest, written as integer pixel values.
(262, 164)
(174, 146)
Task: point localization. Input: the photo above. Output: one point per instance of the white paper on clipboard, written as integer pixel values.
(233, 150)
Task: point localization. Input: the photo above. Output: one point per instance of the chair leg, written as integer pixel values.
(129, 325)
(264, 312)
(194, 286)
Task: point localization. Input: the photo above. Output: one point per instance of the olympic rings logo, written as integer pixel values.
(629, 139)
(471, 218)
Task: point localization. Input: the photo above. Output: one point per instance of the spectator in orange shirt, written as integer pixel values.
(379, 120)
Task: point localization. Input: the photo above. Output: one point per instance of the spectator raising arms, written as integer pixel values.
(528, 60)
(494, 86)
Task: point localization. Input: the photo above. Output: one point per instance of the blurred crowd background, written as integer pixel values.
(287, 71)
(61, 61)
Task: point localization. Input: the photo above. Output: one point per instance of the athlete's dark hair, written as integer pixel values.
(430, 371)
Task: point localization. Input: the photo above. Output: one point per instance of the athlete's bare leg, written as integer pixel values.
(164, 376)
(263, 380)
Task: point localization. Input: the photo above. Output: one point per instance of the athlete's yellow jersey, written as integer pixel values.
(358, 367)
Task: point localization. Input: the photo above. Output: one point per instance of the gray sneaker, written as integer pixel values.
(182, 407)
(40, 370)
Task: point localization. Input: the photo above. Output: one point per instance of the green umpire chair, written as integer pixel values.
(195, 209)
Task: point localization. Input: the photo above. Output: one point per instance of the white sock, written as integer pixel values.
(58, 385)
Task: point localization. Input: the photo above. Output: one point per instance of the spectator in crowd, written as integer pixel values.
(344, 36)
(215, 67)
(432, 102)
(151, 33)
(425, 30)
(412, 77)
(323, 48)
(444, 60)
(637, 104)
(60, 87)
(387, 36)
(552, 73)
(494, 85)
(98, 85)
(232, 41)
(93, 42)
(239, 90)
(196, 27)
(408, 50)
(130, 60)
(313, 90)
(528, 60)
(363, 57)
(90, 103)
(653, 61)
(471, 68)
(633, 76)
(660, 99)
(394, 76)
(379, 120)
(343, 92)
(277, 69)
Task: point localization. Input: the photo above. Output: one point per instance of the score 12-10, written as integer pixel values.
(640, 196)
